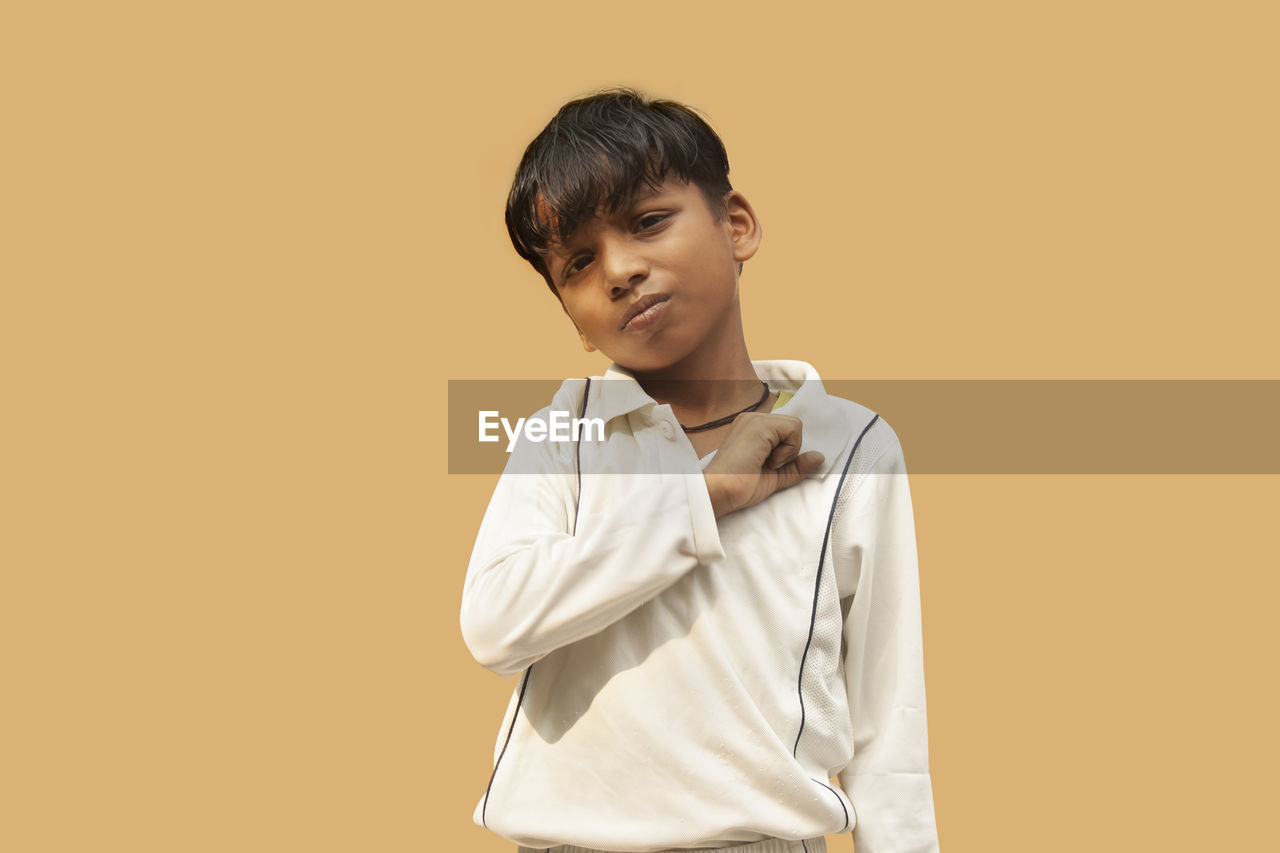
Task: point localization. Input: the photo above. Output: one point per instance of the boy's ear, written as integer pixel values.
(744, 227)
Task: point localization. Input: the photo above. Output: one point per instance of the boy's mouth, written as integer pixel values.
(643, 311)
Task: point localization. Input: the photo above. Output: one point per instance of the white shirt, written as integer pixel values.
(694, 682)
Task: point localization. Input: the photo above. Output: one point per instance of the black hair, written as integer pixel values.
(596, 154)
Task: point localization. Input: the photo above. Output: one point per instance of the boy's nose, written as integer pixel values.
(624, 269)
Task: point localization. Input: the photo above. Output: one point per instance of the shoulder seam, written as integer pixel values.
(856, 481)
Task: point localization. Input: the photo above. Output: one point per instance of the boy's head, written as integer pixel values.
(597, 155)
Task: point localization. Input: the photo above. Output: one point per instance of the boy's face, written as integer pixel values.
(656, 281)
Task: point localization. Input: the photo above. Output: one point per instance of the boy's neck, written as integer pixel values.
(706, 385)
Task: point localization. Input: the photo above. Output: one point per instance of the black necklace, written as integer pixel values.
(729, 418)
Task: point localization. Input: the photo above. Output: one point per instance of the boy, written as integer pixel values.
(714, 607)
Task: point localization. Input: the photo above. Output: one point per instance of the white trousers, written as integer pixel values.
(768, 845)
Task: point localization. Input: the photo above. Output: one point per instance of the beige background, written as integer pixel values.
(244, 248)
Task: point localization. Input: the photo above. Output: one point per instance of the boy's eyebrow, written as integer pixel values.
(643, 194)
(647, 191)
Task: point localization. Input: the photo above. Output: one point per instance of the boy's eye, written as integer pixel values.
(576, 265)
(650, 220)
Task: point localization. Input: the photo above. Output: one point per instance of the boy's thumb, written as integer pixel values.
(800, 467)
(808, 462)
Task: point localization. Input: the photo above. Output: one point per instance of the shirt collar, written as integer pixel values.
(827, 424)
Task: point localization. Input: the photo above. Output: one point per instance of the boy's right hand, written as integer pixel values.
(760, 455)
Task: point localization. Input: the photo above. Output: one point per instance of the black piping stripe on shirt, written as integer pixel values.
(577, 462)
(484, 809)
(813, 613)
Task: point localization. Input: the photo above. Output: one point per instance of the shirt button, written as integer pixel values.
(668, 431)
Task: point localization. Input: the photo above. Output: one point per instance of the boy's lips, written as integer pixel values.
(642, 306)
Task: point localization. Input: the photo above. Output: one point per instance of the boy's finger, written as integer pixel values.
(780, 456)
(786, 447)
(809, 461)
(806, 463)
(799, 468)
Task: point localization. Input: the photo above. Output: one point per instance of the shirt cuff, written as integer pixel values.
(894, 813)
(706, 532)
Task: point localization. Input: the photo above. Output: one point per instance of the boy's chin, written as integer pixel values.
(644, 362)
(658, 353)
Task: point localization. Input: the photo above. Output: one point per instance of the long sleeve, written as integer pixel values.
(887, 779)
(534, 584)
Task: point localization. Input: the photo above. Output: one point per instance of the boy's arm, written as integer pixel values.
(888, 778)
(533, 586)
